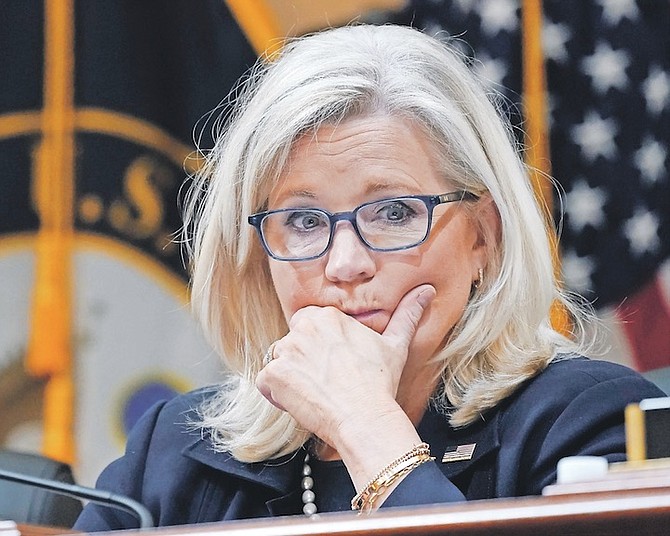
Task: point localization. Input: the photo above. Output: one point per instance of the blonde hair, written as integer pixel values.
(504, 336)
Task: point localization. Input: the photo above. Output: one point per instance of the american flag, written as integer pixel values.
(608, 80)
(459, 453)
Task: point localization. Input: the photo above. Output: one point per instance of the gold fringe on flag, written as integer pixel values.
(537, 132)
(50, 344)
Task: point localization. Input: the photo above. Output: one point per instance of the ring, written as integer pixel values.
(269, 354)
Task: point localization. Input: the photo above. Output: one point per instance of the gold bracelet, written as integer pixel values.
(365, 499)
(368, 502)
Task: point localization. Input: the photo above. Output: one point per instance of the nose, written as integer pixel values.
(348, 259)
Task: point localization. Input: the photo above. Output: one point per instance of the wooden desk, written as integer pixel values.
(31, 530)
(643, 512)
(637, 512)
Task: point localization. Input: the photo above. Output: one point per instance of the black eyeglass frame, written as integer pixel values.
(431, 201)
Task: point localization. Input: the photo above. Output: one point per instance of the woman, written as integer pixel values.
(370, 262)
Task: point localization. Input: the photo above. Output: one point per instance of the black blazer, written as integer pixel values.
(574, 407)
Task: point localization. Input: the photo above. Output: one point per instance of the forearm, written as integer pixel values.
(383, 450)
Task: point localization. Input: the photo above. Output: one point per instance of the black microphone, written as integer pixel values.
(102, 497)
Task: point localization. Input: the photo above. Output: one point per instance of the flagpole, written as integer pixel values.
(538, 158)
(535, 103)
(50, 343)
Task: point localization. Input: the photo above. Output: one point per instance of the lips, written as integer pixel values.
(362, 315)
(375, 319)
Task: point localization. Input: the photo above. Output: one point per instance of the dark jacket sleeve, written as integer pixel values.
(575, 408)
(123, 476)
(425, 485)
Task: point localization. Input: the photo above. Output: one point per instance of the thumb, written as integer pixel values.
(407, 315)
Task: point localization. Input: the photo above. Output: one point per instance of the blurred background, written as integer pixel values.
(100, 104)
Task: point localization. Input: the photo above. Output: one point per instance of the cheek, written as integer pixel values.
(447, 308)
(292, 286)
(445, 311)
(450, 275)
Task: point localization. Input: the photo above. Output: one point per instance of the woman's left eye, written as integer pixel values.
(395, 212)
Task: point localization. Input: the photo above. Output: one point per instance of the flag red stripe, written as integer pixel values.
(645, 319)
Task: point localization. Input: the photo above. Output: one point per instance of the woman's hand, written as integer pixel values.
(330, 369)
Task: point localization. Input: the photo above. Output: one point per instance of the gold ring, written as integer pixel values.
(269, 354)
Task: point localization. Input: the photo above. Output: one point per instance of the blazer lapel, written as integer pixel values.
(458, 450)
(282, 475)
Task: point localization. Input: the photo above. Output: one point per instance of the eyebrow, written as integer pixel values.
(375, 187)
(383, 186)
(298, 193)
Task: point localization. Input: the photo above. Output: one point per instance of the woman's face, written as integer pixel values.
(367, 159)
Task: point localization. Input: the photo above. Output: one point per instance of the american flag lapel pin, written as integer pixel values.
(459, 453)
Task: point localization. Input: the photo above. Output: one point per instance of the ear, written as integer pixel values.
(486, 219)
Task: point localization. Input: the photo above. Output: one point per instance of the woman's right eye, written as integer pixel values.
(305, 220)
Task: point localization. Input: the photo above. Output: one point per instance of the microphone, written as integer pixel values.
(102, 497)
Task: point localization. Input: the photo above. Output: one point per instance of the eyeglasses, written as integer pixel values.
(302, 234)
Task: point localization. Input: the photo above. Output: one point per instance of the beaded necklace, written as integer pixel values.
(307, 483)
